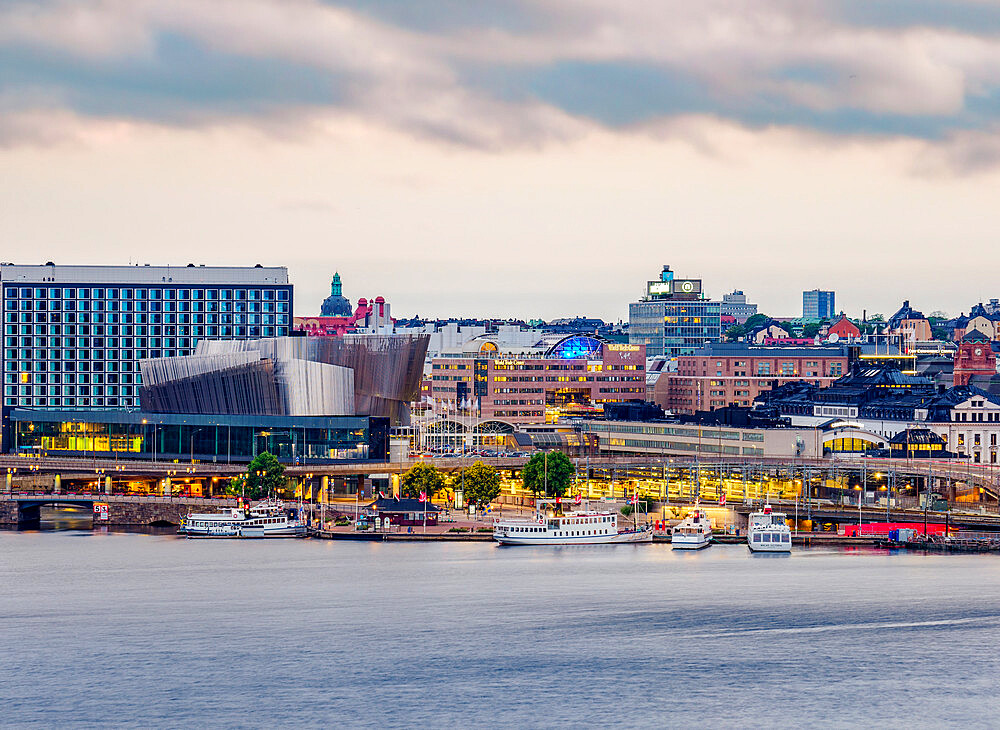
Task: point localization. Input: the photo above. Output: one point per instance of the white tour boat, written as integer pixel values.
(264, 519)
(768, 532)
(693, 533)
(554, 527)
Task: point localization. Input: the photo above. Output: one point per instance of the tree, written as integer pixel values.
(811, 330)
(482, 483)
(554, 469)
(421, 478)
(265, 476)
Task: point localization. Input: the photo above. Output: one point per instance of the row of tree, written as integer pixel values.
(545, 474)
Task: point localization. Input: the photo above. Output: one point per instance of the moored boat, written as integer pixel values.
(269, 518)
(769, 532)
(555, 527)
(693, 533)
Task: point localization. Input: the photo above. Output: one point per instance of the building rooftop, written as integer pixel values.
(50, 273)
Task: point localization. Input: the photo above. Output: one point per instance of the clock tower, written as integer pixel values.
(974, 357)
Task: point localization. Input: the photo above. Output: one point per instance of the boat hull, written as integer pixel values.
(697, 542)
(617, 539)
(769, 547)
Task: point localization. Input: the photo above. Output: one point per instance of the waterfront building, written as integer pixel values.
(557, 377)
(74, 335)
(188, 438)
(735, 305)
(721, 374)
(302, 399)
(674, 317)
(818, 304)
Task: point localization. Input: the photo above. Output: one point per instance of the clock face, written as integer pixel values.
(979, 351)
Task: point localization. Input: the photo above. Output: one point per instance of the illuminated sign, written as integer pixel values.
(616, 347)
(507, 363)
(687, 286)
(673, 288)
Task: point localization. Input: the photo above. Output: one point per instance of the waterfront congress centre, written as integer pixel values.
(189, 363)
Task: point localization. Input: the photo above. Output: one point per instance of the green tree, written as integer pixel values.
(554, 469)
(421, 478)
(482, 483)
(265, 476)
(811, 329)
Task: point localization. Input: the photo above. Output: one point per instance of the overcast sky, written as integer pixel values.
(525, 158)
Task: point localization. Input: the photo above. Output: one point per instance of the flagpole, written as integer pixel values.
(425, 513)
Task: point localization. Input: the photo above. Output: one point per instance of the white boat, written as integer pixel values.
(269, 518)
(554, 527)
(693, 533)
(768, 532)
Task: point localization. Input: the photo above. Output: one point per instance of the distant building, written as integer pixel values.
(974, 357)
(909, 325)
(335, 305)
(674, 317)
(369, 318)
(735, 305)
(818, 304)
(844, 328)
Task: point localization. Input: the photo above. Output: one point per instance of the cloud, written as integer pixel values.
(503, 74)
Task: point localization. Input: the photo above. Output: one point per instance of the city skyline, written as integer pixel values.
(492, 160)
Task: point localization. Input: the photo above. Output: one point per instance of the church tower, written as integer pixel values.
(335, 305)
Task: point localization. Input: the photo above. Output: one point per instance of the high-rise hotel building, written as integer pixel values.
(74, 335)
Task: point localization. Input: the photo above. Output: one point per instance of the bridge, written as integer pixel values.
(826, 489)
(24, 510)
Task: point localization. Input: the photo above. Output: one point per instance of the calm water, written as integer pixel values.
(148, 630)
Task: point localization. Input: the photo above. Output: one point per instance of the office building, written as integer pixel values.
(735, 305)
(818, 304)
(74, 335)
(674, 317)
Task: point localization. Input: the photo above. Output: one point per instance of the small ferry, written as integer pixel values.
(555, 527)
(768, 532)
(693, 533)
(269, 518)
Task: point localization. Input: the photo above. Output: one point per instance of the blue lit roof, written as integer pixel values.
(577, 347)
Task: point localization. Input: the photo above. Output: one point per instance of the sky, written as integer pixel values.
(525, 158)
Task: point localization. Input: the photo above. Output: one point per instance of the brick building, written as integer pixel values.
(577, 375)
(735, 373)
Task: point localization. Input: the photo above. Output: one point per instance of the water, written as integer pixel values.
(151, 630)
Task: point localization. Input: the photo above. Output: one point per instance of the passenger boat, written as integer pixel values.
(768, 532)
(693, 533)
(269, 518)
(555, 527)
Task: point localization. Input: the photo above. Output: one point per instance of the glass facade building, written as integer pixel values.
(74, 335)
(818, 304)
(203, 438)
(674, 327)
